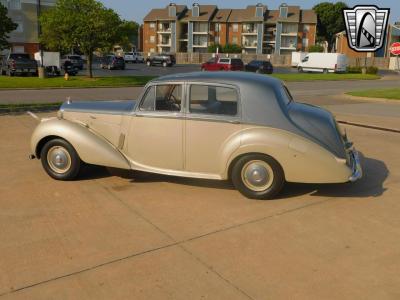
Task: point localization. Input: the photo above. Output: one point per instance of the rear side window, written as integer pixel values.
(216, 100)
(224, 60)
(237, 61)
(19, 56)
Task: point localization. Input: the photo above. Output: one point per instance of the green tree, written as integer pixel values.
(6, 26)
(330, 20)
(128, 32)
(83, 24)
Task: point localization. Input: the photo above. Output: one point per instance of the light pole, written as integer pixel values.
(39, 30)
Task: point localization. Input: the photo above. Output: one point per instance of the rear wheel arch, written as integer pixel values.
(235, 160)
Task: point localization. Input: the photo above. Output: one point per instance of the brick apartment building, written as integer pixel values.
(24, 12)
(176, 28)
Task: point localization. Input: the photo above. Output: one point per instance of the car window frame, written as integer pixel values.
(162, 113)
(213, 117)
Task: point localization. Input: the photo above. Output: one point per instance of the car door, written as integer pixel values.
(155, 138)
(212, 123)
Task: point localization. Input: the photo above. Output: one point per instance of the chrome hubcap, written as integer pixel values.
(59, 159)
(257, 175)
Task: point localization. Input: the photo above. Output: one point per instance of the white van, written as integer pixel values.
(323, 62)
(297, 57)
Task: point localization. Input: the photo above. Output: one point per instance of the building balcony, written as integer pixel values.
(202, 45)
(201, 32)
(249, 45)
(249, 32)
(163, 31)
(289, 33)
(288, 47)
(164, 44)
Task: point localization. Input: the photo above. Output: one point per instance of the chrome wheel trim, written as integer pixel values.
(257, 175)
(59, 159)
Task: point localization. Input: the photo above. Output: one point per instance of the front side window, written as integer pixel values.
(216, 100)
(166, 97)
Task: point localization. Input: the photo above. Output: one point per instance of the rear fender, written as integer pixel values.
(90, 147)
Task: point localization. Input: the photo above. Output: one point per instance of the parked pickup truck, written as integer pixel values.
(223, 64)
(18, 63)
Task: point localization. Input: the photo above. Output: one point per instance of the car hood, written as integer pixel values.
(320, 125)
(102, 107)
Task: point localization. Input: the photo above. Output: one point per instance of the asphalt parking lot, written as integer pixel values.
(128, 235)
(143, 69)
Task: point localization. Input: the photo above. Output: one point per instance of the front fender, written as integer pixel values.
(90, 147)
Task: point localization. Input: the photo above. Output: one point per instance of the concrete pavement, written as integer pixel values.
(119, 235)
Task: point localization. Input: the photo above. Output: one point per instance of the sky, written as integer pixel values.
(137, 9)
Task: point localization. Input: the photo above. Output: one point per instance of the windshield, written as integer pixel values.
(19, 56)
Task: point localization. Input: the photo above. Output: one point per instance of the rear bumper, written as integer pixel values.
(357, 172)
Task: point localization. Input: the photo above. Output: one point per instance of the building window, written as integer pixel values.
(217, 39)
(235, 40)
(152, 39)
(152, 50)
(15, 4)
(306, 28)
(235, 27)
(152, 25)
(283, 11)
(20, 27)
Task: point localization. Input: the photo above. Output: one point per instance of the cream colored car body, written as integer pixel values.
(181, 144)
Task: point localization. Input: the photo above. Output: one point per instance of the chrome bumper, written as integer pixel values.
(355, 166)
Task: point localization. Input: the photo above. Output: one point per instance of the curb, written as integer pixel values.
(384, 100)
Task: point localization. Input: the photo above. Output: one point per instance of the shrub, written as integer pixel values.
(232, 48)
(358, 70)
(316, 48)
(213, 48)
(372, 70)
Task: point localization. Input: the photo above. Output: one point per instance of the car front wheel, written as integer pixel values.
(258, 176)
(60, 160)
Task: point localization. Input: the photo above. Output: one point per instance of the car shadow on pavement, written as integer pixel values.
(375, 172)
(371, 185)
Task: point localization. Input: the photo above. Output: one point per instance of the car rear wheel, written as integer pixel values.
(325, 71)
(258, 176)
(300, 69)
(60, 160)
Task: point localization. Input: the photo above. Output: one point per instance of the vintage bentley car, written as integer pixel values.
(239, 126)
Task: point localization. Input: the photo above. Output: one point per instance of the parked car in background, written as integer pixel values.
(323, 62)
(297, 57)
(18, 64)
(112, 62)
(76, 60)
(260, 66)
(212, 125)
(165, 60)
(133, 57)
(223, 64)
